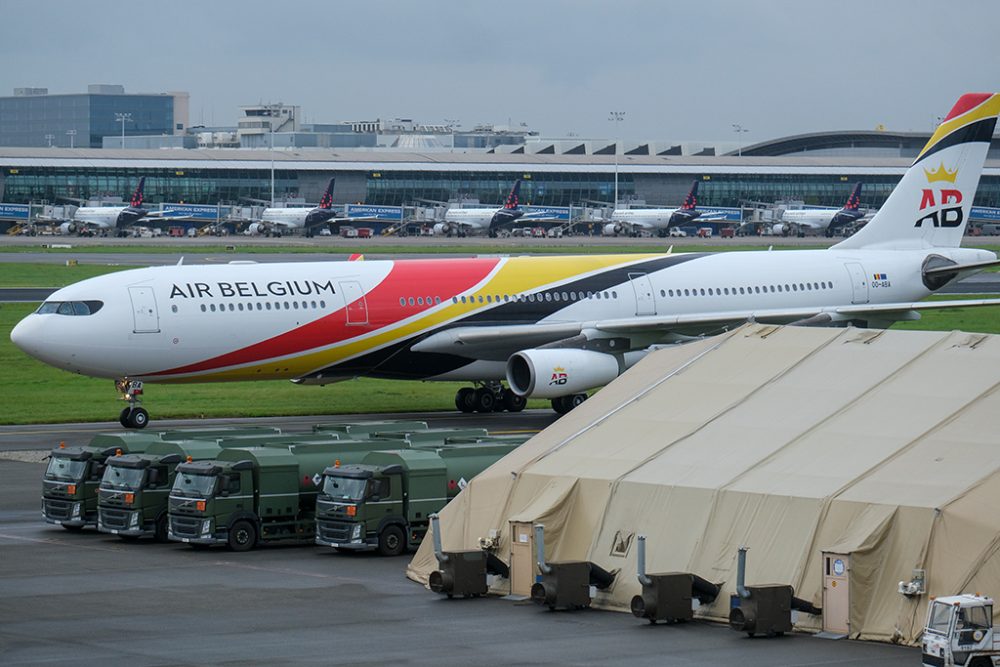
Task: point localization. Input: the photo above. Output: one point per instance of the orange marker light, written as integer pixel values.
(352, 510)
(336, 464)
(200, 505)
(190, 459)
(62, 444)
(118, 452)
(71, 489)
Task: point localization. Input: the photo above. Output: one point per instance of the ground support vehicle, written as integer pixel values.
(385, 502)
(960, 631)
(132, 498)
(73, 474)
(252, 495)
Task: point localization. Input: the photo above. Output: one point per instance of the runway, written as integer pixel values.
(89, 598)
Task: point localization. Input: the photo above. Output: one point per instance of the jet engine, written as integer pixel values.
(441, 229)
(612, 229)
(779, 228)
(256, 228)
(67, 228)
(551, 373)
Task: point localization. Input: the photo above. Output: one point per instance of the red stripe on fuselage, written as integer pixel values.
(412, 278)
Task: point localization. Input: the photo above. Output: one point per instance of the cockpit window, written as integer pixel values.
(70, 307)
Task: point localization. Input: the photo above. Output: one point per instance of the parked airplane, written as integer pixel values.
(276, 221)
(466, 221)
(821, 219)
(88, 219)
(659, 220)
(552, 327)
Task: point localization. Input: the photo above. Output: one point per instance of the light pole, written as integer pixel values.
(121, 118)
(270, 125)
(616, 117)
(50, 137)
(739, 129)
(452, 124)
(72, 136)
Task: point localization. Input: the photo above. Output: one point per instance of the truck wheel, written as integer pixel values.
(73, 529)
(242, 536)
(391, 541)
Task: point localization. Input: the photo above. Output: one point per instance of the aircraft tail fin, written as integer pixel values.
(326, 201)
(136, 201)
(691, 201)
(512, 198)
(854, 201)
(930, 206)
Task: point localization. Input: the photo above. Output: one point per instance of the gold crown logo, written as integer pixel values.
(558, 369)
(941, 174)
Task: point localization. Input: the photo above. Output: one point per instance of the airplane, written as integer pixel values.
(821, 219)
(551, 327)
(465, 221)
(659, 220)
(275, 221)
(88, 219)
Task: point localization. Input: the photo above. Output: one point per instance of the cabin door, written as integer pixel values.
(144, 315)
(645, 304)
(354, 299)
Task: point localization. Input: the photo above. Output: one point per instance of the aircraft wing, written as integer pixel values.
(497, 343)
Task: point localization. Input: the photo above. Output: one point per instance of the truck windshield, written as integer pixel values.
(63, 468)
(198, 486)
(940, 618)
(344, 488)
(118, 478)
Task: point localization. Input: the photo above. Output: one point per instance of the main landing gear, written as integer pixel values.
(489, 397)
(133, 416)
(564, 404)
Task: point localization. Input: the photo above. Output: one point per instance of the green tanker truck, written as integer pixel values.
(132, 498)
(252, 495)
(385, 502)
(73, 474)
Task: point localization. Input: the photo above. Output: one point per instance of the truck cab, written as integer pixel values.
(959, 631)
(69, 485)
(386, 500)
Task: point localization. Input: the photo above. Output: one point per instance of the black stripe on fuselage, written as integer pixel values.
(395, 361)
(981, 130)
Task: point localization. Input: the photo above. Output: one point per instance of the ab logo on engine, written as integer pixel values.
(559, 376)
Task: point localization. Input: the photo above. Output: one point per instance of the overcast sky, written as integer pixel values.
(679, 70)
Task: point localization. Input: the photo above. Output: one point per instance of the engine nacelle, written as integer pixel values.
(542, 373)
(779, 228)
(612, 229)
(441, 228)
(67, 228)
(256, 228)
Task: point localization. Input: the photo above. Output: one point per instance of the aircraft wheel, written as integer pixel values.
(575, 400)
(512, 402)
(465, 399)
(138, 419)
(484, 400)
(559, 405)
(123, 417)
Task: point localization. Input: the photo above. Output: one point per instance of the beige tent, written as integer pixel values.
(875, 449)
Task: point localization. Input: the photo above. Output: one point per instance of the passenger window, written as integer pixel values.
(203, 308)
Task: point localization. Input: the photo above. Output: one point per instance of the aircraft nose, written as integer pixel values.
(25, 335)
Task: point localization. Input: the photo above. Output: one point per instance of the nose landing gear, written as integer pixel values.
(489, 397)
(133, 416)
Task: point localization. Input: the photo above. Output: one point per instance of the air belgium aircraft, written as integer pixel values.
(552, 327)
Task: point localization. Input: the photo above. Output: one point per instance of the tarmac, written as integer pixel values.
(87, 598)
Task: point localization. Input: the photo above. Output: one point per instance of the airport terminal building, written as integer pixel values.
(816, 169)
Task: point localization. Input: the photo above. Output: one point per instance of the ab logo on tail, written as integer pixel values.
(952, 199)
